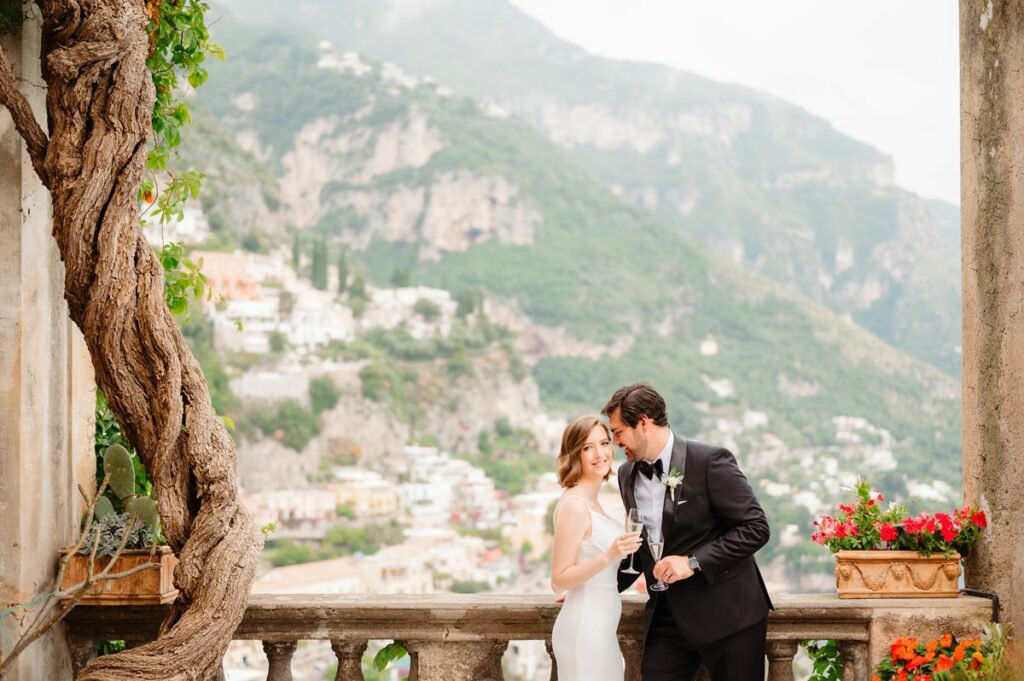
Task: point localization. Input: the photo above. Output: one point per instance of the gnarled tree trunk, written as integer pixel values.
(99, 104)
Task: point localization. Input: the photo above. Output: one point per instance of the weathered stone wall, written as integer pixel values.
(992, 200)
(46, 383)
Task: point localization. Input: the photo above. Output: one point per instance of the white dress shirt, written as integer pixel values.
(650, 494)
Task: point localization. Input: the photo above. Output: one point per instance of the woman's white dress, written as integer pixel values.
(583, 638)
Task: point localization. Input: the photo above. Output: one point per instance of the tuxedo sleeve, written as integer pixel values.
(732, 501)
(626, 579)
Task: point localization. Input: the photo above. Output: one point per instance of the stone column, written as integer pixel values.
(279, 659)
(992, 208)
(780, 659)
(350, 659)
(46, 388)
(458, 660)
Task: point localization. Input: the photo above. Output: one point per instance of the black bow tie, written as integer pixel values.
(649, 469)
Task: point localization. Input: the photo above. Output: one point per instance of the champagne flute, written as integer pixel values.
(655, 542)
(634, 523)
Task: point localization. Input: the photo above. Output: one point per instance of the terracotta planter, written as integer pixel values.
(148, 587)
(896, 574)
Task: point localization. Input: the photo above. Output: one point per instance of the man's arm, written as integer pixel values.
(734, 505)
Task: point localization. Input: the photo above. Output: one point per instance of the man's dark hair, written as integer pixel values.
(636, 401)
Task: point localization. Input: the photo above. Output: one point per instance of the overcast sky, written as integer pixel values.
(885, 72)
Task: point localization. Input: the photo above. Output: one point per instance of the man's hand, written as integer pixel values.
(673, 569)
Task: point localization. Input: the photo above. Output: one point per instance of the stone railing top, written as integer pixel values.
(455, 617)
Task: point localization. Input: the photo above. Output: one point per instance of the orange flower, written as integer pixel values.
(958, 654)
(977, 660)
(943, 663)
(946, 640)
(931, 646)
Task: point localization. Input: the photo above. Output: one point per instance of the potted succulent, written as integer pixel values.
(130, 538)
(887, 553)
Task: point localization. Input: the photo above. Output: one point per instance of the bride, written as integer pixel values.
(585, 558)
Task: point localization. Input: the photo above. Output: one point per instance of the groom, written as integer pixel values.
(716, 610)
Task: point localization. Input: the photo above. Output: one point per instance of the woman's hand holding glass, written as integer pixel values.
(634, 526)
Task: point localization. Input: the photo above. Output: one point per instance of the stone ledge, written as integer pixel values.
(476, 617)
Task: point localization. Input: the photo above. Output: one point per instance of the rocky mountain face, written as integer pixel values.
(770, 186)
(736, 267)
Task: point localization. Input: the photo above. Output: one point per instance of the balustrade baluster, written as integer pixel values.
(279, 655)
(632, 653)
(554, 663)
(856, 665)
(350, 659)
(458, 660)
(349, 653)
(780, 660)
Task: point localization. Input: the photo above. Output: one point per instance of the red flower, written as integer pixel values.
(979, 519)
(888, 532)
(944, 663)
(949, 534)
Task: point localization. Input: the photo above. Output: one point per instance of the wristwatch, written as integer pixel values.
(694, 564)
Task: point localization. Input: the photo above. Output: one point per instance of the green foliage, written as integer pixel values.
(12, 16)
(469, 587)
(180, 43)
(199, 336)
(826, 662)
(108, 533)
(323, 393)
(278, 342)
(319, 267)
(288, 421)
(427, 309)
(344, 511)
(183, 279)
(110, 647)
(296, 251)
(342, 270)
(511, 458)
(401, 277)
(384, 381)
(337, 543)
(107, 434)
(388, 654)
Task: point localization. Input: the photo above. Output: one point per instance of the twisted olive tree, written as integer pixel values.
(109, 67)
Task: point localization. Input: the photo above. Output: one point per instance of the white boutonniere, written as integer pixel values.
(673, 480)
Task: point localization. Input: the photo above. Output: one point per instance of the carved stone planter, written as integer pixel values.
(896, 574)
(147, 587)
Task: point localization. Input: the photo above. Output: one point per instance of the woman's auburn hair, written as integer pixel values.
(570, 468)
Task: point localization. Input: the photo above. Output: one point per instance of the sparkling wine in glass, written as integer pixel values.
(656, 543)
(634, 524)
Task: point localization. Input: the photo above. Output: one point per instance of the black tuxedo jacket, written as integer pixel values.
(715, 517)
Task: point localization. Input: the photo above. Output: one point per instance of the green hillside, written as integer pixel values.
(602, 268)
(758, 178)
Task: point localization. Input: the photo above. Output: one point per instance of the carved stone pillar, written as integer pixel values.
(458, 660)
(554, 663)
(780, 660)
(856, 663)
(279, 655)
(992, 248)
(350, 659)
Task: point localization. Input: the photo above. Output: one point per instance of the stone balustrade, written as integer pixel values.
(462, 638)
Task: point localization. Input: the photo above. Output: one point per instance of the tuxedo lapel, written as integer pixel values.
(678, 463)
(629, 496)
